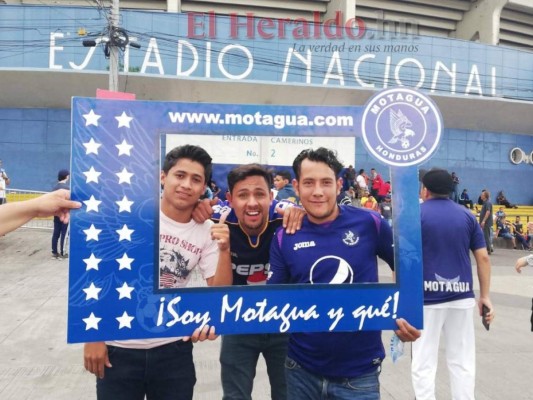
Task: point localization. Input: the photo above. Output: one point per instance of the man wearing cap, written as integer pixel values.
(60, 228)
(449, 233)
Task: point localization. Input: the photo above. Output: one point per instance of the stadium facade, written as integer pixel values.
(472, 57)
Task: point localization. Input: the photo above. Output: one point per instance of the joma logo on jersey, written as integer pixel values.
(303, 245)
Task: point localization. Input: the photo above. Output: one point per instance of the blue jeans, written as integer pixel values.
(162, 373)
(302, 384)
(238, 360)
(60, 231)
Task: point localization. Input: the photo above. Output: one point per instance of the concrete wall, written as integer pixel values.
(35, 144)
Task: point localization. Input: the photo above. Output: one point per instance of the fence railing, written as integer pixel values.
(14, 195)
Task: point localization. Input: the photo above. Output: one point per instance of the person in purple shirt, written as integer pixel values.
(333, 365)
(449, 233)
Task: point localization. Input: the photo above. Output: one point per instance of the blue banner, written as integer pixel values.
(116, 152)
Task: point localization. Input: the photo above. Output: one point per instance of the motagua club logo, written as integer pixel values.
(401, 127)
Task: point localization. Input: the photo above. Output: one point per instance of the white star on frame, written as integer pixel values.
(92, 262)
(124, 120)
(92, 292)
(124, 262)
(91, 322)
(91, 147)
(124, 292)
(124, 148)
(91, 118)
(92, 233)
(92, 204)
(124, 176)
(124, 233)
(124, 321)
(92, 175)
(124, 204)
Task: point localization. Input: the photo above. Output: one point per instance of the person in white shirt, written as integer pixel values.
(523, 262)
(362, 183)
(163, 368)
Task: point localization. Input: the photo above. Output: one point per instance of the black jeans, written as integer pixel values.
(161, 373)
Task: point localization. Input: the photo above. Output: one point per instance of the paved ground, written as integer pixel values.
(36, 362)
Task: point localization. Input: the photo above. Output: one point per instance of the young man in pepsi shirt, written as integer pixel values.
(449, 233)
(252, 222)
(333, 365)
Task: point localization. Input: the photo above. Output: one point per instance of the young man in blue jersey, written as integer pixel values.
(333, 365)
(252, 222)
(449, 233)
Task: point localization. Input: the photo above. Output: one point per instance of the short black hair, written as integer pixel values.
(191, 152)
(327, 156)
(242, 172)
(284, 174)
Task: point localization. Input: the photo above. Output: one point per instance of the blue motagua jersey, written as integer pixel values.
(447, 265)
(342, 251)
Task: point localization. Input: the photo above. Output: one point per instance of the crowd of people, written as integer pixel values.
(263, 218)
(367, 191)
(495, 224)
(515, 232)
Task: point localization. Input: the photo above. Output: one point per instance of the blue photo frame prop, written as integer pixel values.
(115, 172)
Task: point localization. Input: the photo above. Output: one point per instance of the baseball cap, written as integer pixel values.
(62, 174)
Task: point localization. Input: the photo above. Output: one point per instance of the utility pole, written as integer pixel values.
(113, 49)
(117, 40)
